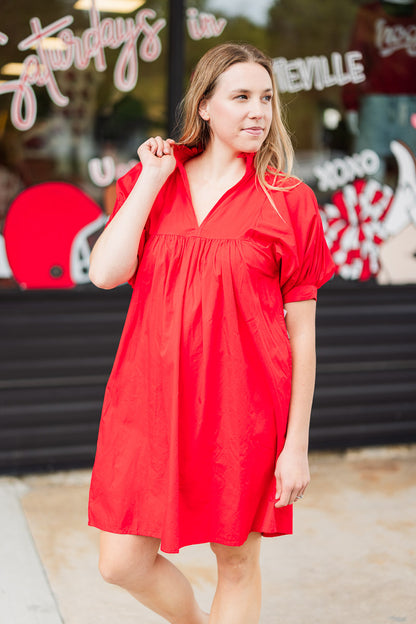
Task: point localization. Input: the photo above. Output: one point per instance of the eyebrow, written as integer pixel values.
(268, 90)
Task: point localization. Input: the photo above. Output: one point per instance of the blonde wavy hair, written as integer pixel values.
(274, 160)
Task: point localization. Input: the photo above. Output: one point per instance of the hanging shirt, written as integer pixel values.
(388, 46)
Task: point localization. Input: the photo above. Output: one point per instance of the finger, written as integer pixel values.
(278, 487)
(150, 145)
(293, 497)
(160, 145)
(282, 502)
(299, 495)
(167, 147)
(284, 498)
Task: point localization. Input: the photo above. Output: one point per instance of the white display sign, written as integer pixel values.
(318, 72)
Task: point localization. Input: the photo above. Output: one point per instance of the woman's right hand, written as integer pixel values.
(156, 156)
(121, 238)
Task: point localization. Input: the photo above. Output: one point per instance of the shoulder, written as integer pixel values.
(300, 194)
(299, 208)
(298, 197)
(291, 186)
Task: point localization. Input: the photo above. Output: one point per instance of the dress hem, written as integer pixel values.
(183, 544)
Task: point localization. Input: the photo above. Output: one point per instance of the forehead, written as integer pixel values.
(244, 75)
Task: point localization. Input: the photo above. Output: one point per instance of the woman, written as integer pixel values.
(204, 431)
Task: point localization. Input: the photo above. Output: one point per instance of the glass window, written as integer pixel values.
(94, 84)
(346, 73)
(81, 87)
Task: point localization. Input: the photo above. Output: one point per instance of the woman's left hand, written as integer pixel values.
(292, 476)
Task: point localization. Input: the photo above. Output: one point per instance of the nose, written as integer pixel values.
(256, 110)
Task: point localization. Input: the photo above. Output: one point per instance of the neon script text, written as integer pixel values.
(39, 68)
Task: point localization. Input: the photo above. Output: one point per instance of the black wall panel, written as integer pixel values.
(57, 349)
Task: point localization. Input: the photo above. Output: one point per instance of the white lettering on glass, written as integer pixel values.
(104, 171)
(335, 173)
(38, 69)
(318, 72)
(204, 25)
(390, 39)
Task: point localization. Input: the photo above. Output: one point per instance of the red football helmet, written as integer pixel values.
(49, 232)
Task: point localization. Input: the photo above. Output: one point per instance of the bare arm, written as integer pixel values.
(114, 257)
(292, 469)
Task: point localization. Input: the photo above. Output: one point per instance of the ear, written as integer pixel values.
(203, 110)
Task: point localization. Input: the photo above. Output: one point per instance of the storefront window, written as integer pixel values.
(80, 88)
(82, 103)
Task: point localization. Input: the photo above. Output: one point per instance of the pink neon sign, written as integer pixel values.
(38, 68)
(204, 25)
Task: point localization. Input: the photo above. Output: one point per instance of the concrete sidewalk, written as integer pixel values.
(352, 559)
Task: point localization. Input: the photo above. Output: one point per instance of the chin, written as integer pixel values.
(251, 145)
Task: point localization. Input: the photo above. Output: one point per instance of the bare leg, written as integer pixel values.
(133, 562)
(238, 596)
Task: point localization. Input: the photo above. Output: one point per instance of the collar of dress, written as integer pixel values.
(183, 153)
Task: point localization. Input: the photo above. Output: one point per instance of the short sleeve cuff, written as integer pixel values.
(300, 293)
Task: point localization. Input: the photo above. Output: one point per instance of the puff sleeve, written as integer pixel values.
(123, 188)
(310, 264)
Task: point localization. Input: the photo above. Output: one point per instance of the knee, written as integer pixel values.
(113, 572)
(235, 567)
(127, 559)
(122, 572)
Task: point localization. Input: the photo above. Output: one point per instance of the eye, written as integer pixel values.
(242, 96)
(268, 98)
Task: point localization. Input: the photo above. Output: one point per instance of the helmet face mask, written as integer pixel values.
(5, 270)
(81, 248)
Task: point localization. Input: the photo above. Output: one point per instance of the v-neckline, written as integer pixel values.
(185, 179)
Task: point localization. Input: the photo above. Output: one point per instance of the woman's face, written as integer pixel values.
(239, 111)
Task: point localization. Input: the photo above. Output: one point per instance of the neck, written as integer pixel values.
(220, 161)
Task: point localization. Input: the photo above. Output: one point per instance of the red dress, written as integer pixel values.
(196, 406)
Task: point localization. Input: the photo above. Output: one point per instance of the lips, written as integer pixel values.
(254, 131)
